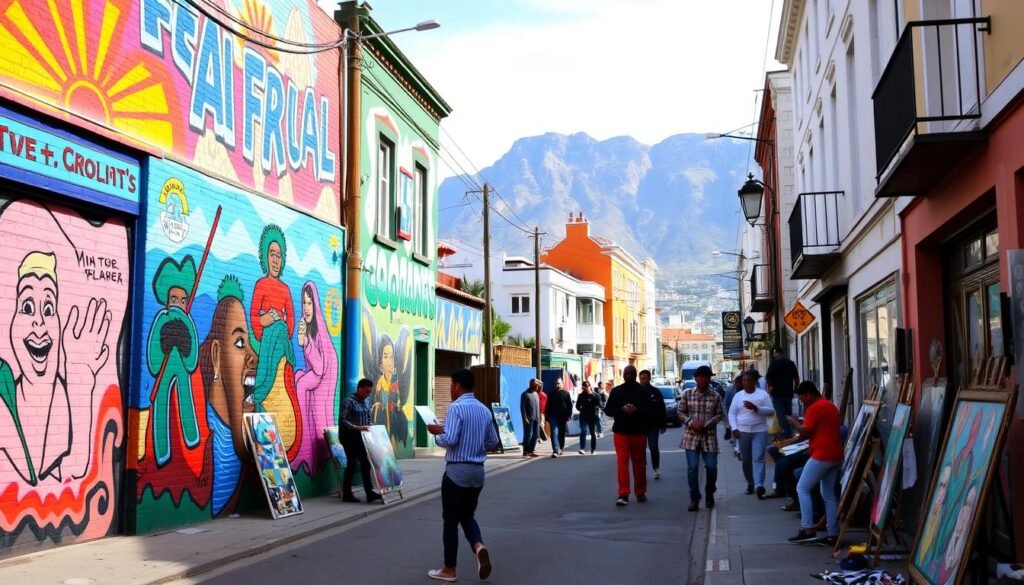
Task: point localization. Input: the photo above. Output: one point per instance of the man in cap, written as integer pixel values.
(700, 409)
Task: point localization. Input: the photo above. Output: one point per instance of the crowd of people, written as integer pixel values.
(757, 416)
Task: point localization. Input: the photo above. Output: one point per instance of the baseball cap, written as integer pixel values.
(704, 371)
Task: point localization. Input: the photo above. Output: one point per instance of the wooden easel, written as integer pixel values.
(846, 511)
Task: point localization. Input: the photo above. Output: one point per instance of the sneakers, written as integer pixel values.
(750, 488)
(600, 435)
(693, 505)
(774, 494)
(373, 497)
(483, 562)
(709, 502)
(554, 455)
(622, 501)
(582, 452)
(803, 537)
(641, 498)
(350, 498)
(531, 455)
(657, 474)
(760, 492)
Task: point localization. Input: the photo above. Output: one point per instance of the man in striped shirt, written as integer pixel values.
(467, 433)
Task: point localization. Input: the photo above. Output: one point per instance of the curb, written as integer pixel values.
(414, 497)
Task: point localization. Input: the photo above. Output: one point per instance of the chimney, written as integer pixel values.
(577, 226)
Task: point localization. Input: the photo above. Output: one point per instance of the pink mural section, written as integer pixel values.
(243, 102)
(63, 297)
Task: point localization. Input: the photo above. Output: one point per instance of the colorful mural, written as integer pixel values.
(170, 77)
(398, 289)
(458, 327)
(64, 284)
(244, 316)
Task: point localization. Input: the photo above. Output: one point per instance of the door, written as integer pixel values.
(422, 385)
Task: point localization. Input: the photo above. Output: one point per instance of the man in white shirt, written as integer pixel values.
(748, 417)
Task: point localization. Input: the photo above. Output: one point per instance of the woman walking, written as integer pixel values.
(748, 417)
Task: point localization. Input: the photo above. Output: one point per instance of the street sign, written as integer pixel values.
(732, 337)
(799, 318)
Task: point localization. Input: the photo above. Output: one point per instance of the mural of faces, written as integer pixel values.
(274, 259)
(35, 329)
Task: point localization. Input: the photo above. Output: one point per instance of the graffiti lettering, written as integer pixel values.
(398, 283)
(97, 170)
(294, 125)
(99, 268)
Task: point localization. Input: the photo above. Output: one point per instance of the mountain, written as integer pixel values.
(674, 201)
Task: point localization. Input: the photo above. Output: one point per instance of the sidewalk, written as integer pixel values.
(167, 556)
(747, 537)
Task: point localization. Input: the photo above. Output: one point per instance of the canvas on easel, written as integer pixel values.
(387, 476)
(882, 503)
(506, 432)
(853, 454)
(275, 472)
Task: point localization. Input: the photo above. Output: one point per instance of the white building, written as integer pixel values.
(571, 311)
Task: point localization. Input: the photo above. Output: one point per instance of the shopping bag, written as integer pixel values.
(774, 427)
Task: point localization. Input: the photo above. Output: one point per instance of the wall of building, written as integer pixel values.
(261, 332)
(398, 298)
(1003, 50)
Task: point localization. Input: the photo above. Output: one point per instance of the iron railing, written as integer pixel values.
(952, 91)
(814, 224)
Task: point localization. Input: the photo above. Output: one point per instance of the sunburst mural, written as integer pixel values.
(257, 15)
(60, 54)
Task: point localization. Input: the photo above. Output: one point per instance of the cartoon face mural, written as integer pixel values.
(60, 391)
(168, 76)
(254, 301)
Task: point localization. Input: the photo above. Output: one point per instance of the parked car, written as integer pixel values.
(671, 396)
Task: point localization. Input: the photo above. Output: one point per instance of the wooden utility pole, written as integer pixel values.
(536, 298)
(488, 310)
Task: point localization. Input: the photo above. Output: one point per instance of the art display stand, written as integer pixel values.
(859, 462)
(854, 492)
(387, 476)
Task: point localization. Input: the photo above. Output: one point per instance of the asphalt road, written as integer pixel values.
(551, 522)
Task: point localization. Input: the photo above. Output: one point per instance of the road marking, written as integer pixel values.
(721, 566)
(713, 536)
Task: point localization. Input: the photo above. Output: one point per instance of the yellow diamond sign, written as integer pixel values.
(799, 318)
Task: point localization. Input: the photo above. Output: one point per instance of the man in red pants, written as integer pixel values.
(629, 406)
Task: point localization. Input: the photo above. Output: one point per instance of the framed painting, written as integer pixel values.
(387, 477)
(275, 472)
(959, 486)
(882, 503)
(856, 443)
(506, 432)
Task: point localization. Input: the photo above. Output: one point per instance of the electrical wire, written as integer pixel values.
(295, 51)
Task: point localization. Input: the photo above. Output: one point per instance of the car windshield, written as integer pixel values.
(690, 384)
(667, 392)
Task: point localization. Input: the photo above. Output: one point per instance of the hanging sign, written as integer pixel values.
(799, 318)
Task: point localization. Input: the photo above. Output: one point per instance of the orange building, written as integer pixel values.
(629, 292)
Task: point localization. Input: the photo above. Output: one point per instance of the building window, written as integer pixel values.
(878, 322)
(809, 356)
(420, 230)
(520, 304)
(385, 189)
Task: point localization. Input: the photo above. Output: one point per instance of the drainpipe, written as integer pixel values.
(353, 199)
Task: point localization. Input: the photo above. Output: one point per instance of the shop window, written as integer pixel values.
(810, 366)
(520, 304)
(385, 189)
(878, 320)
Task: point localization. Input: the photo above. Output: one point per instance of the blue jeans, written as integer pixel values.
(784, 408)
(822, 474)
(588, 426)
(558, 430)
(652, 443)
(693, 471)
(600, 422)
(752, 446)
(531, 432)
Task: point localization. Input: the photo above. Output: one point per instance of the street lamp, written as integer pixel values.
(748, 326)
(419, 27)
(751, 194)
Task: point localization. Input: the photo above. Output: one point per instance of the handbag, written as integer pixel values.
(774, 427)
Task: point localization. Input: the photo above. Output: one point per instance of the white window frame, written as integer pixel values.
(385, 189)
(420, 231)
(518, 302)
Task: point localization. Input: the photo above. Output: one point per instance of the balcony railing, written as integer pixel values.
(814, 233)
(590, 334)
(929, 91)
(761, 295)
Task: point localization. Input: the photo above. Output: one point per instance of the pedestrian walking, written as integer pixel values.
(558, 412)
(603, 392)
(657, 425)
(466, 435)
(589, 406)
(542, 396)
(529, 409)
(736, 386)
(629, 406)
(821, 427)
(748, 417)
(355, 418)
(782, 377)
(700, 410)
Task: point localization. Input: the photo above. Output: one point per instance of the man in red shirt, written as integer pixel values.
(821, 428)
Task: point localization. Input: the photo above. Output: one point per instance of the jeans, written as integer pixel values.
(652, 443)
(822, 474)
(458, 506)
(785, 466)
(693, 458)
(600, 422)
(588, 425)
(558, 430)
(531, 432)
(752, 446)
(355, 451)
(631, 449)
(784, 408)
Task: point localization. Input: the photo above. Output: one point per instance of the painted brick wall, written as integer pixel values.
(262, 332)
(63, 299)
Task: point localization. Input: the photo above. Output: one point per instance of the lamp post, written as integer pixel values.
(751, 195)
(349, 17)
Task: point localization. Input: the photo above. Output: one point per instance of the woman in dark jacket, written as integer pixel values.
(589, 406)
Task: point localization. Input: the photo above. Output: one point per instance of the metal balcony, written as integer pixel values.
(761, 293)
(926, 104)
(814, 234)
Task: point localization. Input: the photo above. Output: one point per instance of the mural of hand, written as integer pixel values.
(85, 339)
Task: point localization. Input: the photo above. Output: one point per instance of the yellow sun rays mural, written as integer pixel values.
(60, 54)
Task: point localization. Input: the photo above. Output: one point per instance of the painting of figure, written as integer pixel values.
(882, 503)
(388, 362)
(316, 385)
(387, 476)
(956, 497)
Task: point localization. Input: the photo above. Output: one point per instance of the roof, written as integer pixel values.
(792, 11)
(454, 294)
(680, 334)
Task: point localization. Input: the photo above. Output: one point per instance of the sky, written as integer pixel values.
(643, 68)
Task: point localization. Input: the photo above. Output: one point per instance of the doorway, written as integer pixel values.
(422, 385)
